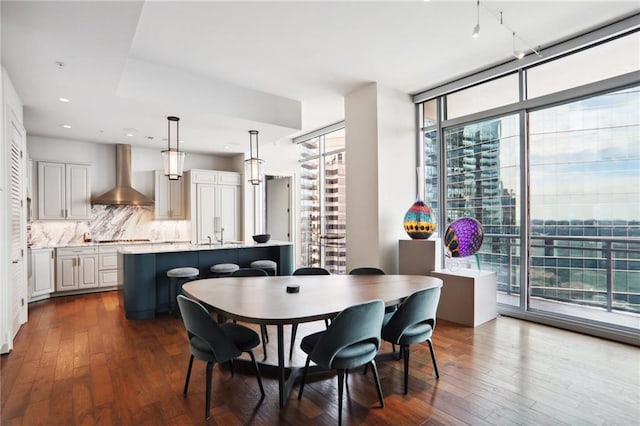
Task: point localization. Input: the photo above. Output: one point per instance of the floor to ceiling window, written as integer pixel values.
(547, 158)
(322, 200)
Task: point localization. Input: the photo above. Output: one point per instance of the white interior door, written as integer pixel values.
(18, 287)
(278, 207)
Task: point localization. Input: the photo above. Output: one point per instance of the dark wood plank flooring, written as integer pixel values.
(79, 361)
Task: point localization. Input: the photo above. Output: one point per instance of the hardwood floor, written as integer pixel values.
(79, 361)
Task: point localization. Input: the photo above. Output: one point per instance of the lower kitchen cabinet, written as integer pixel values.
(41, 273)
(76, 268)
(108, 266)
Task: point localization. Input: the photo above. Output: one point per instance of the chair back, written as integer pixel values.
(311, 271)
(417, 309)
(204, 332)
(356, 324)
(249, 272)
(367, 270)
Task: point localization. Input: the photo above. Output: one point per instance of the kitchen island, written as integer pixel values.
(143, 268)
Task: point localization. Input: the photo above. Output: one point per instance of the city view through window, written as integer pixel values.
(583, 202)
(323, 202)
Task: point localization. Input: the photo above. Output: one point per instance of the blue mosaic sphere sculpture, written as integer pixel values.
(463, 237)
(418, 221)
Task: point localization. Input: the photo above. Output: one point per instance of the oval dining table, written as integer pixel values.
(265, 300)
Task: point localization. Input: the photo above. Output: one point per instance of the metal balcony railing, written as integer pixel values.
(595, 271)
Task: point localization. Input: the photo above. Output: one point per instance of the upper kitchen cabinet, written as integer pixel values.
(214, 205)
(169, 197)
(64, 191)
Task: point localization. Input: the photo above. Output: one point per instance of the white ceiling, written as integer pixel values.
(282, 68)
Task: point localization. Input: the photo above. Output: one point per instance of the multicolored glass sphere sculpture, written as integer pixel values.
(418, 221)
(463, 237)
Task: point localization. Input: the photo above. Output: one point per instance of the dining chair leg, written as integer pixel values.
(255, 366)
(208, 391)
(263, 332)
(340, 393)
(433, 358)
(346, 380)
(405, 355)
(377, 379)
(186, 382)
(294, 330)
(304, 376)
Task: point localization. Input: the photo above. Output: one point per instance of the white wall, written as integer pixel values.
(280, 159)
(397, 176)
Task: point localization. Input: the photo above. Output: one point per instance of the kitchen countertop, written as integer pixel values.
(175, 247)
(98, 243)
(141, 247)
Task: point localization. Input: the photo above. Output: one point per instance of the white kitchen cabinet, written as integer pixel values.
(64, 191)
(76, 268)
(108, 266)
(214, 205)
(169, 197)
(41, 273)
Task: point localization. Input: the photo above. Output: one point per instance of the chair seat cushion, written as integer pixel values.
(350, 357)
(187, 272)
(412, 334)
(243, 337)
(266, 264)
(225, 268)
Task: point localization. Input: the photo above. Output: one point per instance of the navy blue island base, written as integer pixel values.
(144, 278)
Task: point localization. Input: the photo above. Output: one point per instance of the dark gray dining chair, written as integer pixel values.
(311, 270)
(413, 322)
(352, 340)
(253, 272)
(214, 343)
(366, 270)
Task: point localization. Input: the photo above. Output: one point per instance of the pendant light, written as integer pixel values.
(173, 158)
(254, 163)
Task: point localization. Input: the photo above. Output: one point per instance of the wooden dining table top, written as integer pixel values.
(264, 300)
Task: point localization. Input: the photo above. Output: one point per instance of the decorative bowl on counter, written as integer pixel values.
(261, 238)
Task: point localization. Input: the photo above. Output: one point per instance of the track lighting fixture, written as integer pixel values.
(476, 29)
(519, 54)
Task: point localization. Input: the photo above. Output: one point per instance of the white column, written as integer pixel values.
(381, 159)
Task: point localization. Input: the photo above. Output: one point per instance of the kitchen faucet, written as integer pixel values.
(209, 237)
(221, 236)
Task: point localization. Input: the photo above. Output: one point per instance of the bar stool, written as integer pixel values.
(269, 266)
(177, 277)
(224, 269)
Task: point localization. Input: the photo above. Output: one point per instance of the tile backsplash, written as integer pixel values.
(109, 223)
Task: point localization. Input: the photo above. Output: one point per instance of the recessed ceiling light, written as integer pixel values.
(64, 100)
(129, 135)
(66, 126)
(227, 147)
(181, 141)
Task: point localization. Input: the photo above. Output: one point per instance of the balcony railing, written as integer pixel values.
(594, 271)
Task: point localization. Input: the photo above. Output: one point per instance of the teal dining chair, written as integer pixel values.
(214, 343)
(413, 322)
(352, 340)
(253, 272)
(311, 270)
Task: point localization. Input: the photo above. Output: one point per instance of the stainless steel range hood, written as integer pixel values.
(123, 194)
